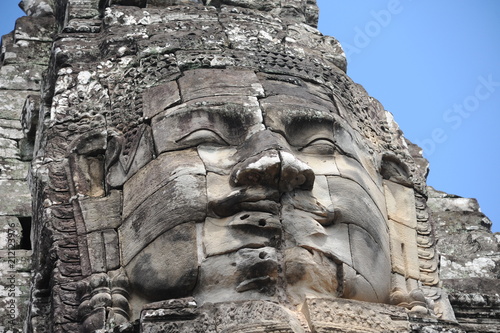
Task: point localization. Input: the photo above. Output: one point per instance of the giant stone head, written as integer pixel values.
(218, 152)
(259, 188)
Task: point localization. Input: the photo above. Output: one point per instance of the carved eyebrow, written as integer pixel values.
(229, 126)
(304, 126)
(303, 129)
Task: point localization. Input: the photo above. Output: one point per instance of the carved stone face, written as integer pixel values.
(260, 190)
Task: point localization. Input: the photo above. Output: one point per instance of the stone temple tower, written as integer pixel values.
(208, 166)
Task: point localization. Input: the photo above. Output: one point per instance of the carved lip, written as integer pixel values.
(247, 199)
(267, 200)
(303, 201)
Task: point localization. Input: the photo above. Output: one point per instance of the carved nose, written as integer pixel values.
(276, 169)
(295, 174)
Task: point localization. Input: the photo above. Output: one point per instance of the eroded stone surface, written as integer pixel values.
(103, 250)
(11, 102)
(15, 198)
(469, 258)
(219, 83)
(158, 98)
(102, 213)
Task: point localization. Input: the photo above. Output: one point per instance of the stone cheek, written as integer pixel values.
(350, 168)
(367, 234)
(372, 261)
(158, 173)
(357, 287)
(158, 237)
(356, 206)
(166, 268)
(179, 201)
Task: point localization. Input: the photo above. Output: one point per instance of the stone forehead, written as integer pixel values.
(286, 92)
(158, 43)
(281, 98)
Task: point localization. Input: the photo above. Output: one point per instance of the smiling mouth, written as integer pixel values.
(247, 199)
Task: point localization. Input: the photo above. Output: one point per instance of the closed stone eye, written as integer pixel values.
(202, 136)
(319, 147)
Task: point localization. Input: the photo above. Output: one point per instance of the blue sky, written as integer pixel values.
(436, 66)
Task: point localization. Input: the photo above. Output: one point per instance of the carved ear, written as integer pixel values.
(396, 171)
(113, 150)
(86, 163)
(91, 143)
(128, 153)
(113, 168)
